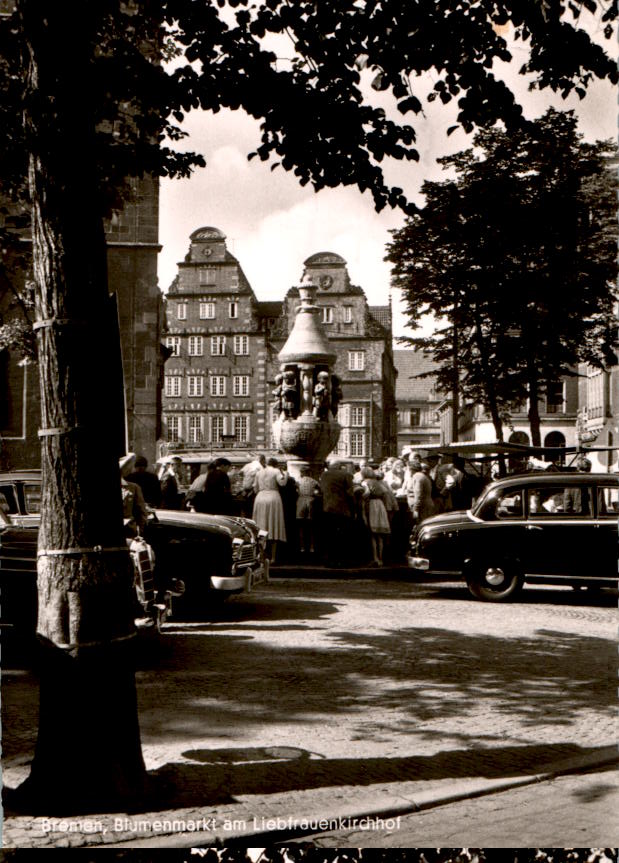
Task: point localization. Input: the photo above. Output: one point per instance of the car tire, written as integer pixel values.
(491, 582)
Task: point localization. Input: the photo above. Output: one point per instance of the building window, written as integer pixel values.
(218, 385)
(241, 428)
(356, 361)
(172, 386)
(327, 314)
(357, 444)
(195, 386)
(207, 311)
(554, 398)
(348, 314)
(218, 346)
(415, 417)
(357, 415)
(174, 343)
(173, 425)
(207, 275)
(181, 311)
(240, 385)
(195, 429)
(196, 346)
(217, 428)
(241, 345)
(233, 310)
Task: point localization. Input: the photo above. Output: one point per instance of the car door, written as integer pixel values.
(560, 528)
(604, 551)
(18, 573)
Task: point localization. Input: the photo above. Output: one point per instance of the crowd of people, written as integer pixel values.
(350, 515)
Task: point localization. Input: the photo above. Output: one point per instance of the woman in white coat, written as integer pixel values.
(268, 508)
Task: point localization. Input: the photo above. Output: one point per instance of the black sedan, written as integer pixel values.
(556, 528)
(215, 556)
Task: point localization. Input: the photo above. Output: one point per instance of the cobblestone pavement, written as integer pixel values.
(316, 696)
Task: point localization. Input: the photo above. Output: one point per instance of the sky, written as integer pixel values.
(272, 224)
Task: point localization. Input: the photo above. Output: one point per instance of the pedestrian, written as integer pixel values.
(308, 490)
(195, 499)
(217, 491)
(449, 481)
(268, 510)
(249, 472)
(147, 480)
(172, 484)
(376, 513)
(422, 503)
(337, 498)
(437, 492)
(135, 513)
(289, 493)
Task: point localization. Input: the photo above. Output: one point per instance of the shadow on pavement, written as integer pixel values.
(223, 773)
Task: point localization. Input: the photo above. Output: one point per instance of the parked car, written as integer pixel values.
(552, 528)
(215, 556)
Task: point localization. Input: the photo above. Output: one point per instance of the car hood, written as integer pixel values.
(233, 526)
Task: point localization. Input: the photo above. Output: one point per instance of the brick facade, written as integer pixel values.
(132, 241)
(199, 307)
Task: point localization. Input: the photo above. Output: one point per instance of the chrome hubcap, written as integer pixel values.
(495, 576)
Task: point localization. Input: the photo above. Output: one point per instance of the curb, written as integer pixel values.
(417, 802)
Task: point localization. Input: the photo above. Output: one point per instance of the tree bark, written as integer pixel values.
(534, 417)
(88, 753)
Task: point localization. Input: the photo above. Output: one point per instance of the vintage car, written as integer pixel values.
(540, 527)
(215, 556)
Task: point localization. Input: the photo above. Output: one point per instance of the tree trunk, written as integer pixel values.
(88, 753)
(534, 417)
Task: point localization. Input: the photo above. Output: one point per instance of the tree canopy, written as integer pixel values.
(517, 255)
(316, 116)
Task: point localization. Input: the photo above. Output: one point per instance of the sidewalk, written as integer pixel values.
(259, 819)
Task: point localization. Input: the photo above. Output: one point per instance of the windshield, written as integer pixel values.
(487, 493)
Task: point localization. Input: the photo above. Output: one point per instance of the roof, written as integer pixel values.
(326, 258)
(410, 363)
(382, 314)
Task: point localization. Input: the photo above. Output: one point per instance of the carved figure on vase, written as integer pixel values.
(277, 392)
(336, 394)
(321, 396)
(290, 396)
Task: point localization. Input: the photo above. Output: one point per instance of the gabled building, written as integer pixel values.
(214, 385)
(361, 337)
(224, 347)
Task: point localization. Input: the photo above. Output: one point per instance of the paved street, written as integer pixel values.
(562, 813)
(331, 694)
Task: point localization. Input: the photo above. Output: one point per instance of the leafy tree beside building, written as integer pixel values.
(516, 256)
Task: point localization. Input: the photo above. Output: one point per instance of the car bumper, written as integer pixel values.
(421, 563)
(242, 578)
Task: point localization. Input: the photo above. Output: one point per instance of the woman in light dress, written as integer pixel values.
(268, 508)
(376, 513)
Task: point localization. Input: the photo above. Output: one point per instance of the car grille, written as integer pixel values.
(246, 554)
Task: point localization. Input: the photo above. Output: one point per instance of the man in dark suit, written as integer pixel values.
(337, 507)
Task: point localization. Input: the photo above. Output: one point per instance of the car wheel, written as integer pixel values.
(492, 582)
